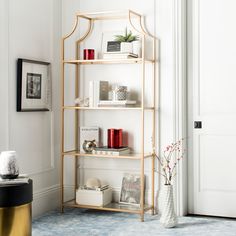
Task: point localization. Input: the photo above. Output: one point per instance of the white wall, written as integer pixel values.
(31, 29)
(160, 20)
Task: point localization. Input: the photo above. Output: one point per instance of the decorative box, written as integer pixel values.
(93, 197)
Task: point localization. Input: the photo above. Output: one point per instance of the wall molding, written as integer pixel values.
(52, 150)
(5, 72)
(40, 193)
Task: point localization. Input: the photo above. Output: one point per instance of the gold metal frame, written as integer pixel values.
(91, 17)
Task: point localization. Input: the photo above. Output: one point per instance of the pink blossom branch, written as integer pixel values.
(166, 162)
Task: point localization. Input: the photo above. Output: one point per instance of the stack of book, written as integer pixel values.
(116, 103)
(111, 151)
(102, 188)
(119, 55)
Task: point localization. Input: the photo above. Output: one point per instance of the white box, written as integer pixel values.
(93, 198)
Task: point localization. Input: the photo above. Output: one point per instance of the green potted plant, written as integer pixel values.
(126, 40)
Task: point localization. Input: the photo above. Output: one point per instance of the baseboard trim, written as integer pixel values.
(45, 200)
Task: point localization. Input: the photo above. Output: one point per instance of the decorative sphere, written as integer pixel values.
(89, 146)
(93, 183)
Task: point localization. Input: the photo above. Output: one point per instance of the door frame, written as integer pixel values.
(180, 101)
(192, 31)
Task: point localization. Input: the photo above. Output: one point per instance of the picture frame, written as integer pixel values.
(109, 36)
(33, 86)
(130, 189)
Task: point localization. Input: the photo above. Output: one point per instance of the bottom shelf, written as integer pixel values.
(118, 207)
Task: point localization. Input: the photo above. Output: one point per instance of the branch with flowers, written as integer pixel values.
(168, 161)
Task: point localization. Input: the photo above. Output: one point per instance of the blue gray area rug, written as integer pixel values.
(79, 222)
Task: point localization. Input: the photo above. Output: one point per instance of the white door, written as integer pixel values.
(212, 100)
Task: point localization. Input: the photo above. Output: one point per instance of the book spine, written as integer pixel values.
(103, 90)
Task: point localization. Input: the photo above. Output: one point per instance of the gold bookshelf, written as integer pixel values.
(129, 15)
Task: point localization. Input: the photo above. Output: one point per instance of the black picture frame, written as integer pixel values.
(33, 86)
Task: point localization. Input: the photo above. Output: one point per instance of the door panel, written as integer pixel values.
(212, 77)
(215, 169)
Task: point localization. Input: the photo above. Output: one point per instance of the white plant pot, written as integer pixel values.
(168, 217)
(8, 165)
(126, 47)
(137, 48)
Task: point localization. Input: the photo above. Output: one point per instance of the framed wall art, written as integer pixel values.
(33, 85)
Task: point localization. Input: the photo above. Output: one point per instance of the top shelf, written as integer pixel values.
(108, 15)
(108, 61)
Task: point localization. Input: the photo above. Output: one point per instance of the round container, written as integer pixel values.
(120, 93)
(114, 138)
(89, 54)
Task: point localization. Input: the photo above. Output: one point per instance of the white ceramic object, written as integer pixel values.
(126, 47)
(168, 217)
(137, 48)
(8, 165)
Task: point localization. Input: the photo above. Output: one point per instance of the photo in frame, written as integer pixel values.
(33, 85)
(108, 42)
(130, 189)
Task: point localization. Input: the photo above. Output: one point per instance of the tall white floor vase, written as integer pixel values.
(168, 217)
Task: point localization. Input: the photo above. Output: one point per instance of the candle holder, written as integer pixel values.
(89, 54)
(114, 138)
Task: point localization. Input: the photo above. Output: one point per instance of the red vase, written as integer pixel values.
(114, 138)
(88, 54)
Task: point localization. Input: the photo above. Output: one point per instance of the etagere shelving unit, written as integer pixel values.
(76, 154)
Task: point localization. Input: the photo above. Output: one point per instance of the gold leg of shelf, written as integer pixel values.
(153, 211)
(62, 209)
(142, 217)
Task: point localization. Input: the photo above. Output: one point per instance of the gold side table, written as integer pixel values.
(15, 209)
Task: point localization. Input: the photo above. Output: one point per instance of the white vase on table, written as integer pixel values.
(8, 165)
